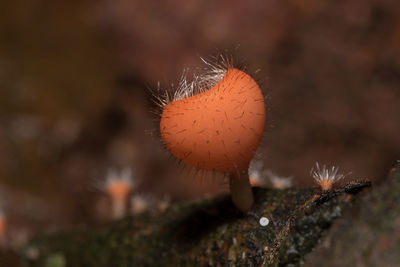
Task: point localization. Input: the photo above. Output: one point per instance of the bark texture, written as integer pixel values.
(208, 233)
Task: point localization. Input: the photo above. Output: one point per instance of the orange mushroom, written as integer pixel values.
(218, 130)
(326, 177)
(2, 226)
(118, 187)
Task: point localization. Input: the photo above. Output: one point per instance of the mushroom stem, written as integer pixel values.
(118, 207)
(241, 193)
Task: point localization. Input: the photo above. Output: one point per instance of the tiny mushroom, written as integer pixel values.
(326, 177)
(118, 186)
(2, 225)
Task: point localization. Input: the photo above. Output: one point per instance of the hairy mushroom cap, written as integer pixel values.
(219, 129)
(326, 177)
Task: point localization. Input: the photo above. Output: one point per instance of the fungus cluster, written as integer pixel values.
(215, 123)
(260, 177)
(121, 189)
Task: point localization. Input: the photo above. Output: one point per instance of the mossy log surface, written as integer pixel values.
(208, 233)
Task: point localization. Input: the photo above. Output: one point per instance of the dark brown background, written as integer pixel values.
(74, 98)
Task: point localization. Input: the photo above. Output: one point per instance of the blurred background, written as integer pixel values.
(75, 99)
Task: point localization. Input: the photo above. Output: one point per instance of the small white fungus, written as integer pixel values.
(264, 221)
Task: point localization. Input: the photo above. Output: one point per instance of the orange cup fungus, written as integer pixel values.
(218, 129)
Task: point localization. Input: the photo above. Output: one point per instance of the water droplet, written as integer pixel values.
(264, 221)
